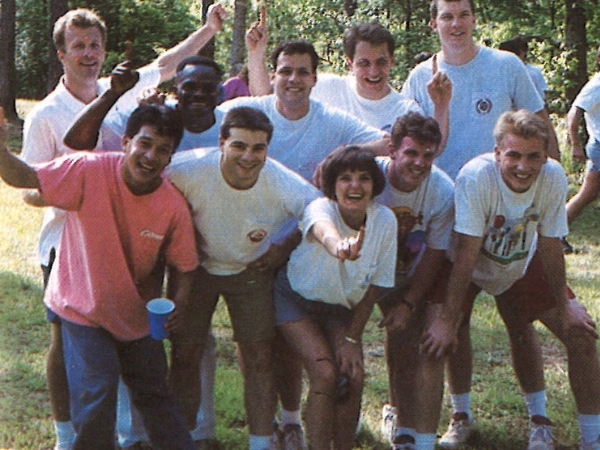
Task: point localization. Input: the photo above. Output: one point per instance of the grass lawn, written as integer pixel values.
(498, 408)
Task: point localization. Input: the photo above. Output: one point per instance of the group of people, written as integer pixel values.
(303, 206)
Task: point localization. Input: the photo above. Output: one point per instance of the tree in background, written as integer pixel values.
(7, 60)
(57, 9)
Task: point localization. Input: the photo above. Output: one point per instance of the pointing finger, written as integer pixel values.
(434, 65)
(262, 18)
(128, 50)
(1, 116)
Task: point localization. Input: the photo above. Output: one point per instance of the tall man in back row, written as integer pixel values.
(485, 83)
(509, 219)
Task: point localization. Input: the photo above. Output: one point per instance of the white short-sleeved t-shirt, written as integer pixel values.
(340, 92)
(507, 221)
(490, 84)
(49, 121)
(588, 99)
(302, 144)
(237, 226)
(316, 275)
(425, 216)
(538, 79)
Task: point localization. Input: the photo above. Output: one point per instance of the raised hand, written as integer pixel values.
(216, 16)
(257, 36)
(440, 86)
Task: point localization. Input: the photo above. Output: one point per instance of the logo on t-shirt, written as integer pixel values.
(257, 235)
(509, 240)
(151, 235)
(483, 106)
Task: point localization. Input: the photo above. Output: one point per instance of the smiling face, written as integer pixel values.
(197, 89)
(83, 54)
(371, 66)
(146, 156)
(353, 192)
(520, 161)
(293, 80)
(455, 23)
(244, 154)
(411, 164)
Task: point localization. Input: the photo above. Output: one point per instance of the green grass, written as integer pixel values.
(498, 408)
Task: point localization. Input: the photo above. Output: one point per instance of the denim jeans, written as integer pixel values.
(94, 360)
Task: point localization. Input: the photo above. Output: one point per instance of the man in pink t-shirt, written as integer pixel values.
(123, 219)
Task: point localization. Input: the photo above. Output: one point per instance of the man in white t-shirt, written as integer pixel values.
(422, 198)
(80, 37)
(510, 216)
(485, 83)
(519, 47)
(239, 200)
(586, 105)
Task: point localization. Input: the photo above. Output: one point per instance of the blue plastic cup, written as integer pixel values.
(158, 313)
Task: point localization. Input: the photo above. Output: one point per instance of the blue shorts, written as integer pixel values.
(291, 306)
(52, 317)
(592, 150)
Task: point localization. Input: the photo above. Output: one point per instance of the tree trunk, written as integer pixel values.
(576, 41)
(7, 60)
(55, 70)
(238, 44)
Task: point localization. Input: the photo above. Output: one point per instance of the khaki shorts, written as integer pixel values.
(249, 299)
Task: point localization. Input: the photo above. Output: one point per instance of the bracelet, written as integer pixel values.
(408, 304)
(351, 340)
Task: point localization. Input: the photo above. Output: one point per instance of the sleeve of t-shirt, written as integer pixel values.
(181, 248)
(327, 84)
(470, 200)
(62, 181)
(525, 94)
(385, 274)
(38, 140)
(553, 217)
(589, 96)
(319, 210)
(355, 131)
(439, 230)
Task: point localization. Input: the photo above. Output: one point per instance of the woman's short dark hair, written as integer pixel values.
(349, 157)
(165, 120)
(247, 118)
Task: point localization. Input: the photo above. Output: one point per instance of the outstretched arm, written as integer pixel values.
(342, 248)
(14, 171)
(83, 132)
(257, 39)
(167, 62)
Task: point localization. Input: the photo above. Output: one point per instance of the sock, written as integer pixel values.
(536, 403)
(461, 403)
(590, 427)
(290, 417)
(259, 442)
(425, 441)
(409, 431)
(65, 434)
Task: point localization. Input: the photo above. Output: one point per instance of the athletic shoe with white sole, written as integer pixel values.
(540, 434)
(459, 431)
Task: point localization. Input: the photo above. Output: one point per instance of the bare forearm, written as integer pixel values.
(16, 172)
(33, 198)
(553, 260)
(573, 121)
(83, 132)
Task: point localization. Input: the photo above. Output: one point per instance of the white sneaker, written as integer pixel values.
(459, 431)
(540, 434)
(590, 445)
(292, 437)
(388, 423)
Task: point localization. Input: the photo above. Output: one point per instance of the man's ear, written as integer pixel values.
(349, 62)
(124, 142)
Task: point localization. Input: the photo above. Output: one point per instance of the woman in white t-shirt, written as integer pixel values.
(325, 295)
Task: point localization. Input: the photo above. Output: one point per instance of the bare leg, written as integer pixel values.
(259, 386)
(309, 342)
(587, 194)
